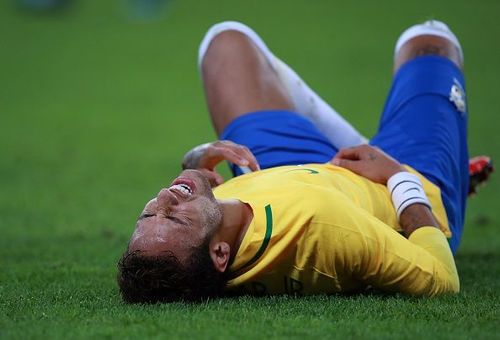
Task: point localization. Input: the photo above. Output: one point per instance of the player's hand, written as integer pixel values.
(369, 162)
(205, 157)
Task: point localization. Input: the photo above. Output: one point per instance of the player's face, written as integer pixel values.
(181, 216)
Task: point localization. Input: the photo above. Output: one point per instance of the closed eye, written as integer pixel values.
(145, 215)
(176, 220)
(170, 217)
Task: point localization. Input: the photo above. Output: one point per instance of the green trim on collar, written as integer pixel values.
(263, 246)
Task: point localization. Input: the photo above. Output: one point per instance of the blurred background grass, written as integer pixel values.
(100, 100)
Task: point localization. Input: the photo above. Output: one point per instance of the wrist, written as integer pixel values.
(405, 190)
(416, 216)
(193, 157)
(393, 171)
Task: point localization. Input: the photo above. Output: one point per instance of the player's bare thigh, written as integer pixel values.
(238, 79)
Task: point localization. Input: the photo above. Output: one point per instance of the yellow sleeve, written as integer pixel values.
(433, 241)
(421, 265)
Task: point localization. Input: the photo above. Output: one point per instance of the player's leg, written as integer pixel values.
(431, 38)
(238, 79)
(304, 100)
(250, 106)
(479, 167)
(424, 123)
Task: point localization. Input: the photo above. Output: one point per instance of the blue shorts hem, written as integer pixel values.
(279, 137)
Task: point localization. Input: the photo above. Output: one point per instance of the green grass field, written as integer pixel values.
(97, 109)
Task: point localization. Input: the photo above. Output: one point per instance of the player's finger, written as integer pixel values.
(212, 156)
(233, 157)
(234, 153)
(349, 153)
(245, 154)
(253, 164)
(213, 177)
(218, 178)
(354, 166)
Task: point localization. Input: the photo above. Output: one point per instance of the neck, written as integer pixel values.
(236, 217)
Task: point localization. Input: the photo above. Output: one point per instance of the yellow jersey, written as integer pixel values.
(318, 228)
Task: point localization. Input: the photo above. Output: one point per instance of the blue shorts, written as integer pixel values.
(279, 138)
(420, 126)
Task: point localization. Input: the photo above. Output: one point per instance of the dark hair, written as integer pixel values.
(162, 278)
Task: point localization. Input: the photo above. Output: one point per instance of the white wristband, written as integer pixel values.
(406, 189)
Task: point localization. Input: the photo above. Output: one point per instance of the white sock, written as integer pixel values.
(307, 103)
(430, 27)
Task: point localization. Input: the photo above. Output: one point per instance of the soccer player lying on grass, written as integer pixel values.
(351, 217)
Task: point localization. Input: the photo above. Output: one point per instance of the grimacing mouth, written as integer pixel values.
(182, 190)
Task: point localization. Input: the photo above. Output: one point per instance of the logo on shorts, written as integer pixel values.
(457, 96)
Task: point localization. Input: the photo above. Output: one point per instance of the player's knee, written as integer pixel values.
(427, 45)
(230, 42)
(225, 46)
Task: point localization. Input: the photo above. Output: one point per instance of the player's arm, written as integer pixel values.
(374, 253)
(374, 164)
(423, 267)
(205, 158)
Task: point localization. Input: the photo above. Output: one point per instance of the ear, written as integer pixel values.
(220, 254)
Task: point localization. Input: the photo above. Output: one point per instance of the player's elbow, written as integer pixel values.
(446, 284)
(454, 284)
(452, 280)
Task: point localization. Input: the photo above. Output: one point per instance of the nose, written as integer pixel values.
(166, 199)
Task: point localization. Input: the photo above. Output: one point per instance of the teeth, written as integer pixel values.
(185, 186)
(182, 188)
